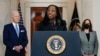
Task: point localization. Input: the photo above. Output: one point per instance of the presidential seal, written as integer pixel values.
(56, 44)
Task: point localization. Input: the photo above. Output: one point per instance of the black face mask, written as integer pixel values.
(86, 26)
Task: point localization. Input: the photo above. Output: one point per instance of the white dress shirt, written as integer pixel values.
(14, 25)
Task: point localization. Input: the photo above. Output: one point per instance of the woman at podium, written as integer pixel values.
(89, 41)
(52, 20)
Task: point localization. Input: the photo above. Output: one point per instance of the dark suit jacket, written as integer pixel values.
(49, 27)
(10, 39)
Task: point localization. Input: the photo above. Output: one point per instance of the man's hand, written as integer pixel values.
(17, 49)
(21, 47)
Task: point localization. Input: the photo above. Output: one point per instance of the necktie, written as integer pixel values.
(17, 30)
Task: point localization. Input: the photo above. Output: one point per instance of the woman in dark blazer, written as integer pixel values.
(52, 20)
(89, 41)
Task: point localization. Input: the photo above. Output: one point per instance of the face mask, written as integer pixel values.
(86, 26)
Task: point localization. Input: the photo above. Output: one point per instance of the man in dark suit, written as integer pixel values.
(15, 37)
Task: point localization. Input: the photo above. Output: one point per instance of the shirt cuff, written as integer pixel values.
(21, 46)
(13, 48)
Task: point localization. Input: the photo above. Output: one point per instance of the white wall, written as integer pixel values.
(4, 18)
(87, 9)
(70, 8)
(13, 5)
(96, 19)
(79, 8)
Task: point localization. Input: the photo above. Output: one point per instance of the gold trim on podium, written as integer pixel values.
(58, 48)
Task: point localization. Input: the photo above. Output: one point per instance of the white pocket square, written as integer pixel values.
(22, 30)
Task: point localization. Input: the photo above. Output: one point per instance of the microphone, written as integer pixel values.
(51, 22)
(53, 25)
(59, 22)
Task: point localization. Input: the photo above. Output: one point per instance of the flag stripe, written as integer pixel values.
(21, 18)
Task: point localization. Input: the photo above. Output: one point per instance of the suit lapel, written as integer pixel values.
(91, 36)
(14, 29)
(19, 30)
(85, 37)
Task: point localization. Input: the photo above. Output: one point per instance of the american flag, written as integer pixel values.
(19, 10)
